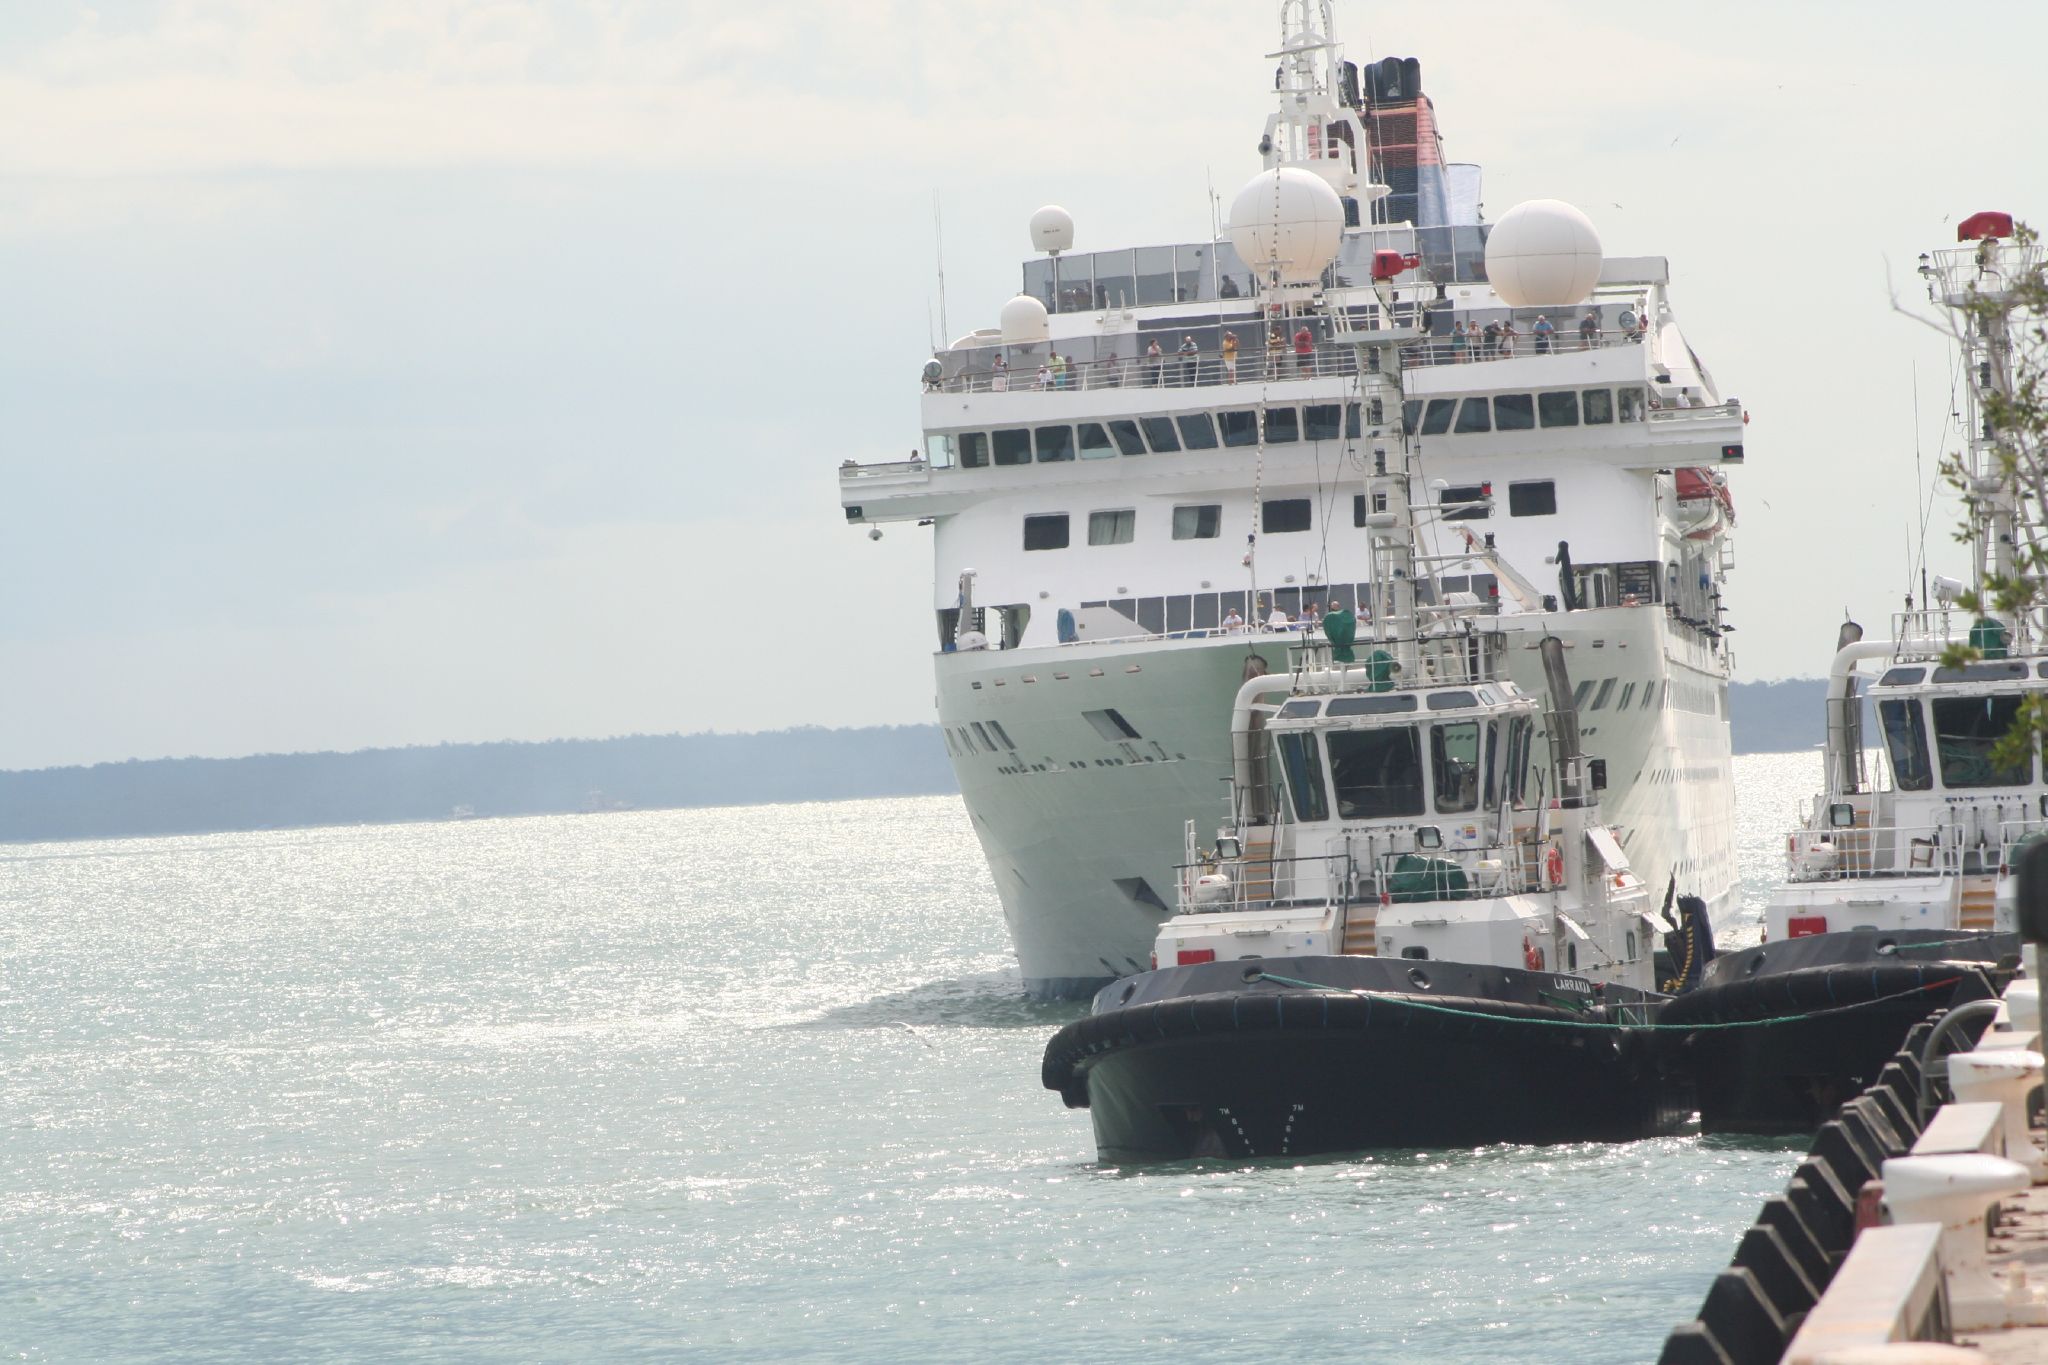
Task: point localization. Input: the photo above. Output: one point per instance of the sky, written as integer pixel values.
(403, 371)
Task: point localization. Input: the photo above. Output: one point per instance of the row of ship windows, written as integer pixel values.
(1204, 521)
(1162, 435)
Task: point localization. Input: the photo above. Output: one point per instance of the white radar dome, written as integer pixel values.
(1023, 321)
(1052, 229)
(1287, 220)
(1543, 254)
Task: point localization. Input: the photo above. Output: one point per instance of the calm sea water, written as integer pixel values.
(750, 1083)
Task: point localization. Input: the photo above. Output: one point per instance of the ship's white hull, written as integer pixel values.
(1082, 823)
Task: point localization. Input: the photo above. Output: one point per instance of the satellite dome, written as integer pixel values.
(1543, 254)
(1023, 321)
(1288, 221)
(1052, 229)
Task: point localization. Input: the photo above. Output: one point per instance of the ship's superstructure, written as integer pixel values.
(1144, 480)
(1924, 837)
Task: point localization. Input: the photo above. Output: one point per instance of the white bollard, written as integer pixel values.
(1959, 1192)
(2004, 1075)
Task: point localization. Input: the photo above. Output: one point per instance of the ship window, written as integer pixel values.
(1649, 694)
(1631, 404)
(973, 450)
(1965, 730)
(938, 450)
(1472, 417)
(1045, 533)
(1371, 706)
(1905, 741)
(1112, 528)
(1477, 497)
(1282, 425)
(1580, 693)
(1095, 441)
(1205, 617)
(1451, 701)
(1351, 420)
(1002, 734)
(1411, 414)
(1013, 446)
(1177, 614)
(1520, 732)
(1377, 773)
(1514, 412)
(1127, 438)
(1284, 514)
(1110, 724)
(1055, 443)
(1197, 523)
(982, 735)
(1437, 419)
(1454, 766)
(1600, 697)
(1303, 767)
(1599, 406)
(1532, 499)
(1627, 695)
(1239, 428)
(1986, 670)
(1894, 677)
(1198, 431)
(1152, 615)
(1558, 409)
(1159, 434)
(1492, 763)
(1320, 422)
(1299, 707)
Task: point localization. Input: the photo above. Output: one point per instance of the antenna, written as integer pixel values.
(939, 250)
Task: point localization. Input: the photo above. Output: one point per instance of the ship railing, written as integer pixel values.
(1925, 632)
(1310, 882)
(1458, 874)
(1468, 350)
(851, 471)
(1974, 842)
(1960, 271)
(1200, 369)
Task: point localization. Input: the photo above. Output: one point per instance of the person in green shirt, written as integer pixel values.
(1341, 628)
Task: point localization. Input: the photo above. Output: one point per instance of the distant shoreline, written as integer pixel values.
(167, 796)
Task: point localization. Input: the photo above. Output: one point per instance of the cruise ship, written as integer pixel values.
(1152, 471)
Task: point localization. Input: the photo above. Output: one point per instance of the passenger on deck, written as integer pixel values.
(1589, 330)
(1491, 338)
(1276, 349)
(1507, 338)
(1305, 350)
(1232, 621)
(1187, 362)
(1107, 375)
(999, 375)
(1059, 370)
(1279, 620)
(1543, 332)
(1458, 342)
(1044, 375)
(1230, 357)
(1153, 363)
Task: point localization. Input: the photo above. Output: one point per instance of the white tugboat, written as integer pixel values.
(1899, 889)
(1156, 454)
(1414, 929)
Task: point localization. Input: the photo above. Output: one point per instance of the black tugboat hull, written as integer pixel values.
(1264, 1072)
(1839, 1008)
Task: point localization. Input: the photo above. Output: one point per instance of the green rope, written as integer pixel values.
(1577, 1004)
(1412, 1003)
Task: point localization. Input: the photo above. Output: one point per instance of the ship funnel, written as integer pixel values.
(1845, 723)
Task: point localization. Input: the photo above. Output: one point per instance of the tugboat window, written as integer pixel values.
(1965, 729)
(1045, 533)
(1198, 431)
(1905, 740)
(1159, 431)
(1197, 523)
(1377, 773)
(1454, 766)
(1492, 763)
(1303, 767)
(1239, 428)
